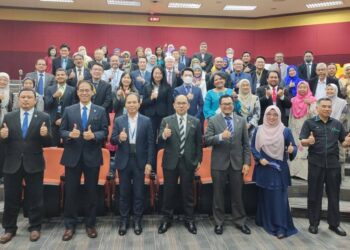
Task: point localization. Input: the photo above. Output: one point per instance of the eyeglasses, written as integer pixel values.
(227, 104)
(84, 90)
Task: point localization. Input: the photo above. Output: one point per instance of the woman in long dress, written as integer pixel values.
(303, 108)
(272, 146)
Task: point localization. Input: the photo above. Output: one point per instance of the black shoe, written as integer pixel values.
(137, 228)
(219, 229)
(338, 230)
(244, 229)
(123, 227)
(164, 227)
(191, 227)
(313, 229)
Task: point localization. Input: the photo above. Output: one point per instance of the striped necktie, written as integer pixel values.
(229, 124)
(182, 136)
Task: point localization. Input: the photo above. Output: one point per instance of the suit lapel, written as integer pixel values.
(176, 124)
(188, 125)
(92, 114)
(32, 123)
(78, 111)
(138, 128)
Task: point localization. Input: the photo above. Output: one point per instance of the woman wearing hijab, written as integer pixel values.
(272, 146)
(250, 105)
(303, 108)
(199, 79)
(151, 63)
(292, 79)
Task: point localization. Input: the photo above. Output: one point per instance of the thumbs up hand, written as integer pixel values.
(311, 139)
(290, 149)
(166, 132)
(88, 135)
(123, 136)
(75, 133)
(4, 132)
(43, 130)
(226, 134)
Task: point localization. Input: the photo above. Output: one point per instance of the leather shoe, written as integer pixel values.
(6, 237)
(338, 230)
(219, 229)
(191, 227)
(164, 227)
(91, 232)
(313, 229)
(68, 234)
(34, 235)
(137, 228)
(123, 227)
(244, 229)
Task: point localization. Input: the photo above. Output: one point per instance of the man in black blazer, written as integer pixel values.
(307, 70)
(83, 129)
(98, 58)
(259, 75)
(63, 61)
(204, 57)
(56, 99)
(102, 89)
(184, 59)
(182, 138)
(133, 134)
(172, 78)
(42, 79)
(273, 94)
(79, 72)
(24, 133)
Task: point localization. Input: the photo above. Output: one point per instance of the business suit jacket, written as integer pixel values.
(302, 71)
(57, 62)
(208, 59)
(105, 64)
(51, 103)
(144, 142)
(235, 78)
(234, 152)
(313, 84)
(49, 79)
(73, 82)
(162, 106)
(281, 104)
(103, 97)
(119, 103)
(263, 80)
(79, 149)
(282, 69)
(175, 79)
(138, 84)
(193, 143)
(29, 150)
(196, 104)
(187, 61)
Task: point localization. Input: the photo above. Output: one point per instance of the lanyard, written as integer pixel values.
(132, 132)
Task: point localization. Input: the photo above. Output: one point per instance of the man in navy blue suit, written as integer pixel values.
(84, 128)
(141, 77)
(134, 136)
(79, 72)
(193, 93)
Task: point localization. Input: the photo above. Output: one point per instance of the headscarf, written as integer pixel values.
(6, 91)
(338, 104)
(295, 79)
(150, 66)
(226, 59)
(269, 137)
(299, 107)
(247, 100)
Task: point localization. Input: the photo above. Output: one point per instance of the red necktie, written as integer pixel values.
(274, 96)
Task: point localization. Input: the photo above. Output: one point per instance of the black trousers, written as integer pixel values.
(72, 183)
(170, 188)
(317, 177)
(235, 179)
(156, 121)
(13, 195)
(131, 182)
(55, 132)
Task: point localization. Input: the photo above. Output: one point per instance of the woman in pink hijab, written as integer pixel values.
(303, 108)
(272, 146)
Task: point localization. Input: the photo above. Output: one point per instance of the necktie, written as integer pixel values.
(169, 78)
(84, 118)
(308, 71)
(279, 67)
(182, 136)
(41, 84)
(64, 63)
(25, 125)
(142, 74)
(79, 74)
(188, 89)
(183, 60)
(274, 96)
(229, 124)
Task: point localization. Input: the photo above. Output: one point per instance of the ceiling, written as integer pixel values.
(208, 8)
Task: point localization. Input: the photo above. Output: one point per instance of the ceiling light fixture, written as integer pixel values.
(324, 4)
(58, 1)
(124, 3)
(184, 5)
(239, 7)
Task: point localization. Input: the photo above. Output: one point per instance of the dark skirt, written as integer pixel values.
(273, 212)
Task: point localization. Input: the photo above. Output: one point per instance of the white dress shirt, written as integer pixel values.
(321, 89)
(132, 123)
(88, 109)
(30, 116)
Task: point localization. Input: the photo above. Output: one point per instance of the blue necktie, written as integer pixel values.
(64, 63)
(25, 125)
(229, 123)
(84, 118)
(188, 89)
(41, 84)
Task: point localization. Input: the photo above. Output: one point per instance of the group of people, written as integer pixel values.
(291, 119)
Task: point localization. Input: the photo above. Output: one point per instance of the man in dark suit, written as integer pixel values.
(182, 138)
(206, 59)
(259, 75)
(228, 135)
(184, 59)
(172, 78)
(238, 74)
(193, 93)
(24, 133)
(83, 129)
(57, 98)
(98, 58)
(248, 67)
(133, 134)
(141, 77)
(63, 61)
(41, 77)
(273, 94)
(319, 83)
(307, 70)
(79, 72)
(102, 89)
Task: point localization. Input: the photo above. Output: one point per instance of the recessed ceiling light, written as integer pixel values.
(184, 5)
(58, 1)
(323, 4)
(123, 3)
(239, 7)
